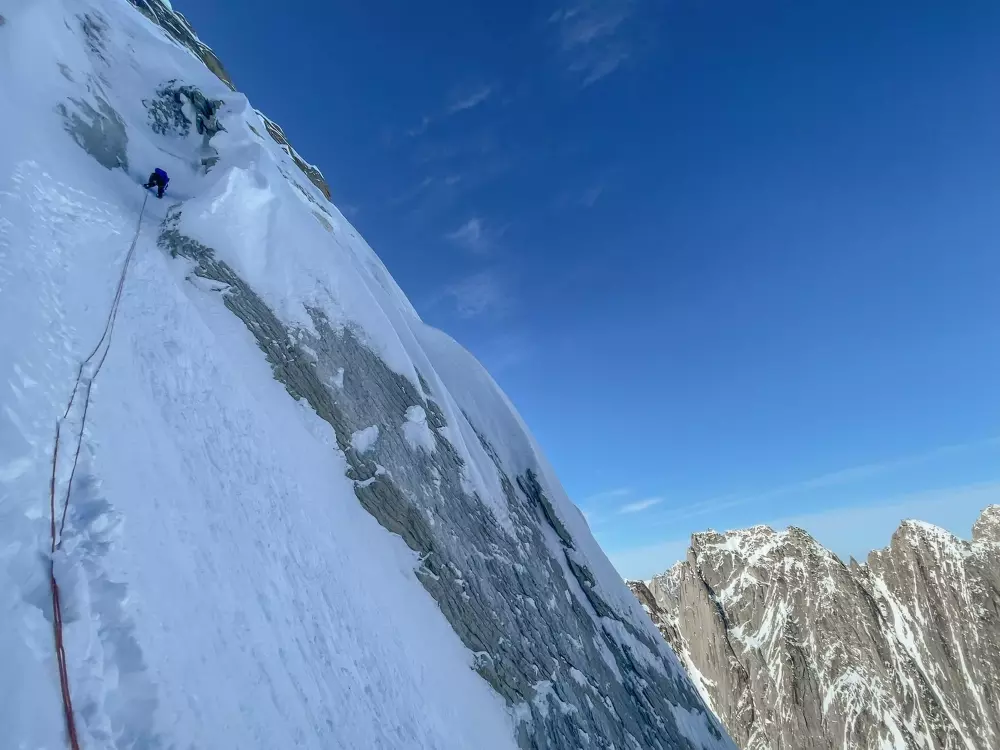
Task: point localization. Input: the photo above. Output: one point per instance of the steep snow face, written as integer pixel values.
(793, 649)
(300, 517)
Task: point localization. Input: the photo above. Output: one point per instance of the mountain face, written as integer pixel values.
(296, 516)
(794, 649)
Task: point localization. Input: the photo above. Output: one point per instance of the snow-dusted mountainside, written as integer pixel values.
(298, 516)
(794, 649)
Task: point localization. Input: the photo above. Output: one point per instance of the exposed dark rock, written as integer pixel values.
(95, 30)
(310, 171)
(987, 526)
(794, 649)
(528, 607)
(167, 115)
(178, 27)
(167, 111)
(100, 132)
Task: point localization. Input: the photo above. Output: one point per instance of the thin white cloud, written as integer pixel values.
(479, 294)
(421, 128)
(476, 236)
(640, 505)
(469, 99)
(593, 37)
(471, 235)
(617, 492)
(842, 477)
(856, 531)
(590, 196)
(846, 531)
(603, 66)
(590, 21)
(462, 100)
(412, 193)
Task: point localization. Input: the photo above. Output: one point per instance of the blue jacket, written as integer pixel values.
(162, 174)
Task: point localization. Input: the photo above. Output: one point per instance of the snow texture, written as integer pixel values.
(363, 440)
(301, 518)
(415, 428)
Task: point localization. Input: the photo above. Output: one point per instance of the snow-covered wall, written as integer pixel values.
(302, 517)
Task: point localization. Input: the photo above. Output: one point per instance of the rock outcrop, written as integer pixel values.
(794, 649)
(175, 24)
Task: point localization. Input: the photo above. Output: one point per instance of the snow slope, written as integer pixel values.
(301, 517)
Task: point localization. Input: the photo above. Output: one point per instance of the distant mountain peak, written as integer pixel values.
(987, 526)
(794, 649)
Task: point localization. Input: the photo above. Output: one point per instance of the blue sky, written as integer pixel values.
(734, 262)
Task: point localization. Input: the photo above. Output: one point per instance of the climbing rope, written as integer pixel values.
(82, 384)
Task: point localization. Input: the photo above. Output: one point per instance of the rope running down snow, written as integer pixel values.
(85, 385)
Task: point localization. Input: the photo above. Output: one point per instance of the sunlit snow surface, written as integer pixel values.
(223, 586)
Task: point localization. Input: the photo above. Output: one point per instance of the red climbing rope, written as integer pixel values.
(105, 341)
(74, 741)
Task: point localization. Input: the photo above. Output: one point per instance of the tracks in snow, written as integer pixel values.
(59, 266)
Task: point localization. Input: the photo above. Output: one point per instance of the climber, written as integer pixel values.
(158, 179)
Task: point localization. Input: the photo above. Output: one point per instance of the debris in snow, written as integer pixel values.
(415, 428)
(363, 440)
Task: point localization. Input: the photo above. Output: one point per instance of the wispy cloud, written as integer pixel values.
(420, 129)
(574, 196)
(481, 293)
(856, 531)
(461, 100)
(846, 531)
(477, 236)
(469, 99)
(471, 235)
(478, 142)
(640, 505)
(592, 37)
(412, 193)
(590, 21)
(605, 65)
(614, 494)
(842, 477)
(448, 169)
(590, 195)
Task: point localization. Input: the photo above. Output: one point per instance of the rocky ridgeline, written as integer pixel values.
(796, 650)
(178, 27)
